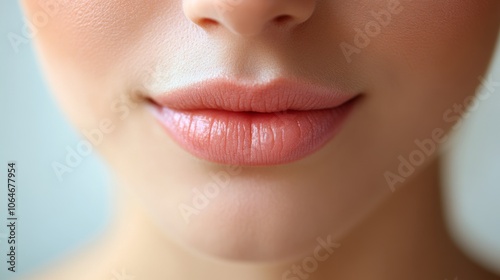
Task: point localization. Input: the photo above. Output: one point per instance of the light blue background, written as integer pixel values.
(56, 217)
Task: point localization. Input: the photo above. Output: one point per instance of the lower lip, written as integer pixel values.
(252, 139)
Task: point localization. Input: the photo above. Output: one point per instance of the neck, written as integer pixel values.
(405, 238)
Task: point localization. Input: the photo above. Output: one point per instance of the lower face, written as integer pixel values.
(409, 74)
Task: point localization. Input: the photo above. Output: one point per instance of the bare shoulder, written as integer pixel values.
(92, 262)
(75, 268)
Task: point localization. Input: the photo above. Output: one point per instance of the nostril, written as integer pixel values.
(282, 19)
(207, 22)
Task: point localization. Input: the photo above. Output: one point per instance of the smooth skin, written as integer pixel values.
(104, 57)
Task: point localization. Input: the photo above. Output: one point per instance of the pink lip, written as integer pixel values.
(265, 124)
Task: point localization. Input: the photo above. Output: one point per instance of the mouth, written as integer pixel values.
(254, 125)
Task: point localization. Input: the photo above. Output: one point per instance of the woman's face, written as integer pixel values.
(409, 66)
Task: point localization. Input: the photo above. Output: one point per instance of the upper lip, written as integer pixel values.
(275, 96)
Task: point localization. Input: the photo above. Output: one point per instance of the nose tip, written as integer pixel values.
(248, 17)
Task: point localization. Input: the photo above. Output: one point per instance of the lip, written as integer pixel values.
(252, 124)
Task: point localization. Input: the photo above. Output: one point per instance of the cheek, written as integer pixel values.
(428, 59)
(432, 52)
(85, 47)
(447, 34)
(451, 49)
(91, 33)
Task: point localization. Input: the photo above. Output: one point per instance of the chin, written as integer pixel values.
(256, 222)
(237, 240)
